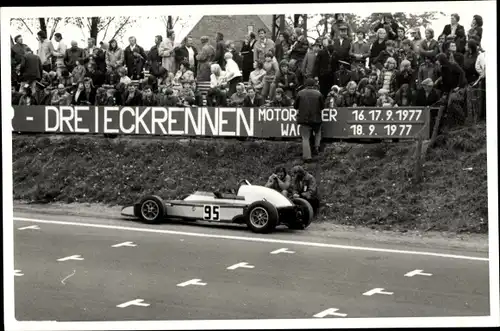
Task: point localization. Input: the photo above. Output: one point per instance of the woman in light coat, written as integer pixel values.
(167, 52)
(205, 58)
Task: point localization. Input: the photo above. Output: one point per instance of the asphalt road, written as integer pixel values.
(304, 281)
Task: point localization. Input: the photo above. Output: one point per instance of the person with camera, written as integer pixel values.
(280, 181)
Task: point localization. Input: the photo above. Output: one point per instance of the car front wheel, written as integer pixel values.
(151, 209)
(262, 217)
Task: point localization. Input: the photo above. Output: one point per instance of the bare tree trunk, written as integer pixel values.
(436, 126)
(43, 25)
(54, 27)
(11, 41)
(26, 25)
(93, 27)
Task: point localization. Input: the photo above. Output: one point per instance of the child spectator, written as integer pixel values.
(384, 99)
(257, 77)
(252, 99)
(369, 97)
(280, 99)
(387, 78)
(238, 97)
(78, 72)
(350, 97)
(286, 80)
(403, 97)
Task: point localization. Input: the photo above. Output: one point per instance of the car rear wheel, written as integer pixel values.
(262, 217)
(305, 214)
(151, 209)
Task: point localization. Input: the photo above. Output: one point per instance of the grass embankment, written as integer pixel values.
(366, 185)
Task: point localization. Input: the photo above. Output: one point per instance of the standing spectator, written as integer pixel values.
(339, 21)
(369, 97)
(100, 56)
(407, 53)
(476, 29)
(456, 31)
(252, 99)
(78, 72)
(89, 51)
(262, 47)
(114, 56)
(378, 45)
(30, 69)
(154, 58)
(342, 46)
(309, 104)
(231, 48)
(427, 70)
(238, 97)
(73, 55)
(309, 61)
(18, 51)
(388, 52)
(387, 78)
(187, 53)
(282, 46)
(429, 47)
(247, 53)
(286, 80)
(59, 52)
(297, 52)
(481, 70)
(220, 50)
(45, 50)
(167, 52)
(350, 97)
(280, 99)
(256, 79)
(323, 67)
(401, 36)
(218, 87)
(470, 59)
(135, 58)
(233, 73)
(360, 50)
(416, 39)
(389, 25)
(205, 58)
(271, 68)
(403, 96)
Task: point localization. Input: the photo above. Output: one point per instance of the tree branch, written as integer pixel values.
(53, 30)
(121, 27)
(107, 26)
(24, 22)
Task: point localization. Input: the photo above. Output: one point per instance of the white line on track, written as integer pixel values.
(254, 239)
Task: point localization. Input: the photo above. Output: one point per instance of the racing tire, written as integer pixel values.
(262, 217)
(307, 209)
(151, 209)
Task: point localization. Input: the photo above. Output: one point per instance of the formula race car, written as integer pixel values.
(261, 208)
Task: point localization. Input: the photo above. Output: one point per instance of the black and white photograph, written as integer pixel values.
(256, 166)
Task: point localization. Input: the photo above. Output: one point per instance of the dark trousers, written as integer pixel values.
(232, 85)
(325, 84)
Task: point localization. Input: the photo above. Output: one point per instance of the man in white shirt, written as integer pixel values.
(59, 53)
(233, 73)
(45, 50)
(187, 53)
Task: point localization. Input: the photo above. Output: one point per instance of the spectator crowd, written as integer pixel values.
(398, 68)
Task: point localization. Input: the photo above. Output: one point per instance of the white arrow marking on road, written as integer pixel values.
(240, 265)
(282, 250)
(72, 257)
(378, 290)
(126, 243)
(136, 302)
(417, 272)
(192, 282)
(34, 227)
(29, 118)
(17, 272)
(62, 281)
(329, 312)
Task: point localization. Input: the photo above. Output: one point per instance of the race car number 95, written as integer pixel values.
(211, 213)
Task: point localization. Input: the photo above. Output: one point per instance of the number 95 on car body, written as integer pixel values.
(262, 209)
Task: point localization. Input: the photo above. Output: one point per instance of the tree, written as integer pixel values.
(94, 26)
(33, 25)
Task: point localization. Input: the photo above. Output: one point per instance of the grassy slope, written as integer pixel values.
(367, 185)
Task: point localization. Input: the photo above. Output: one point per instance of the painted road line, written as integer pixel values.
(29, 118)
(240, 265)
(192, 282)
(72, 257)
(254, 239)
(282, 250)
(126, 243)
(417, 272)
(18, 272)
(33, 227)
(377, 290)
(329, 312)
(136, 302)
(62, 281)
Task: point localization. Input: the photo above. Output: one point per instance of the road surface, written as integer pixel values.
(67, 269)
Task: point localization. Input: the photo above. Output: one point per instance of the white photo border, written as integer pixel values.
(489, 40)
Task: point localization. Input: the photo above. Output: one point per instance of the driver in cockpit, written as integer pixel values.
(280, 181)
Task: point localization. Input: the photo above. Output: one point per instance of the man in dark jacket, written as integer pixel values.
(304, 186)
(31, 68)
(323, 67)
(342, 46)
(309, 104)
(187, 53)
(73, 54)
(154, 58)
(220, 50)
(252, 99)
(135, 58)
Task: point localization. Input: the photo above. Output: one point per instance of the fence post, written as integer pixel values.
(436, 125)
(419, 160)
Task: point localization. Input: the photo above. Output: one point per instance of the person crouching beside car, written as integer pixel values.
(280, 181)
(304, 186)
